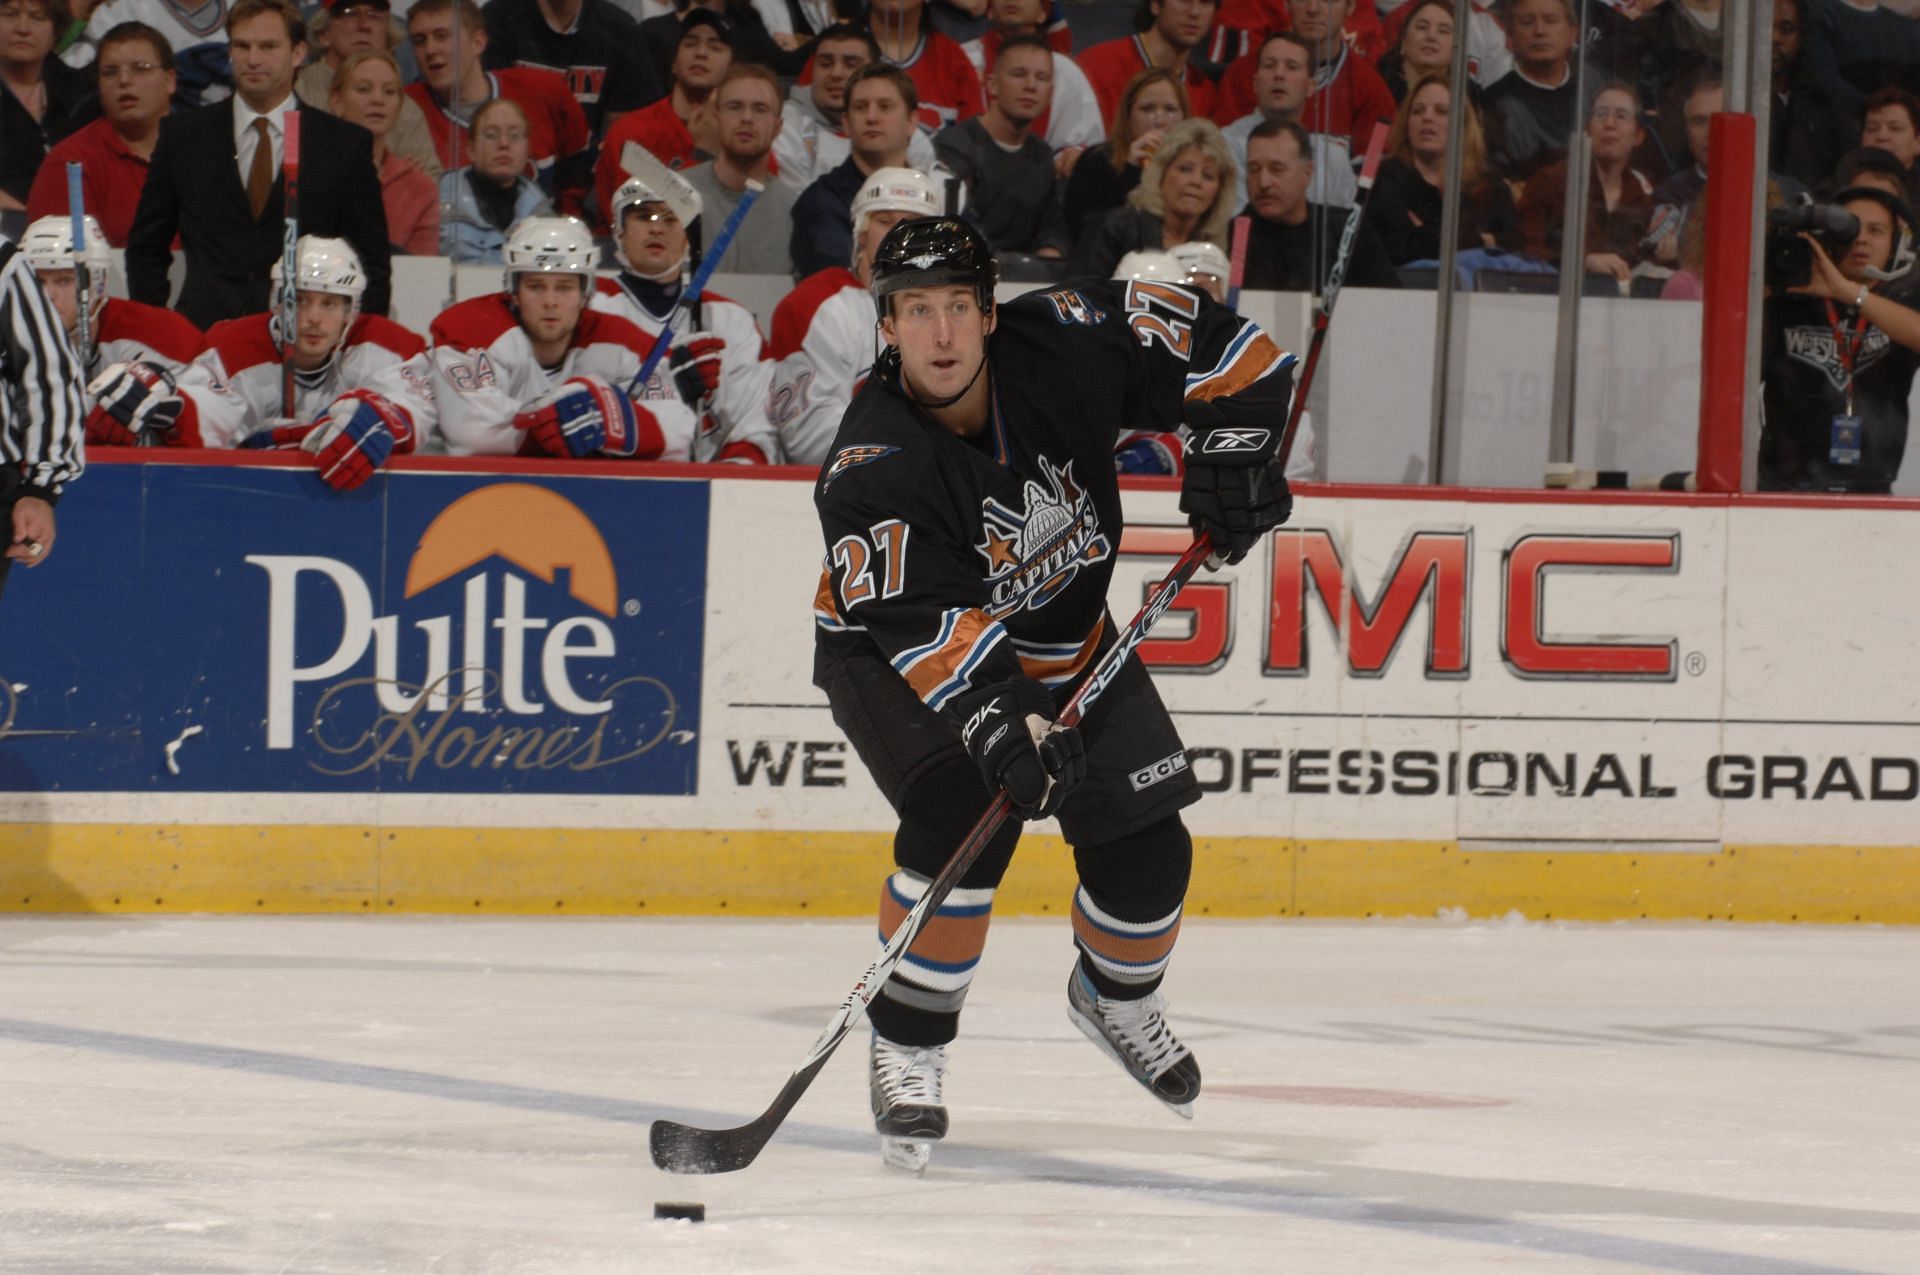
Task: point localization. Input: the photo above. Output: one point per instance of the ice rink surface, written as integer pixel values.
(216, 1095)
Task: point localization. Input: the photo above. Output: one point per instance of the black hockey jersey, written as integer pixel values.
(970, 561)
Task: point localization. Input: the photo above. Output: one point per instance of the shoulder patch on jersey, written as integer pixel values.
(852, 458)
(1070, 305)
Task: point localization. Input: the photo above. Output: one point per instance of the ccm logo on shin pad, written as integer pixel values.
(1225, 441)
(1166, 768)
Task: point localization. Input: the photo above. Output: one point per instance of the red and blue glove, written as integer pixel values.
(1146, 452)
(696, 370)
(585, 416)
(359, 430)
(134, 405)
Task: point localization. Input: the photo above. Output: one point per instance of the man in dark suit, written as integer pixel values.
(215, 180)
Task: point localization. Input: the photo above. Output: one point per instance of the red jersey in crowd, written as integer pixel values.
(556, 127)
(944, 77)
(1111, 64)
(1349, 98)
(657, 129)
(111, 178)
(1240, 25)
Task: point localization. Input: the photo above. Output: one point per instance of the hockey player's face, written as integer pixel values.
(264, 58)
(1873, 246)
(550, 305)
(653, 238)
(1191, 182)
(1183, 23)
(878, 224)
(1283, 79)
(834, 62)
(1888, 127)
(942, 337)
(318, 326)
(59, 287)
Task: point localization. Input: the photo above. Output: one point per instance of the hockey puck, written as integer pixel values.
(679, 1211)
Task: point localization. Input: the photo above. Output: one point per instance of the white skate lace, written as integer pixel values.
(1140, 1028)
(909, 1075)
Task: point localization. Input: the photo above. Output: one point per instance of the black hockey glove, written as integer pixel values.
(1234, 489)
(1009, 732)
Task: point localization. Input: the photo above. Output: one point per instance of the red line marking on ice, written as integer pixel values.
(1332, 1096)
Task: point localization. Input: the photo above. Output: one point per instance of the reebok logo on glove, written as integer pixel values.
(978, 720)
(1221, 442)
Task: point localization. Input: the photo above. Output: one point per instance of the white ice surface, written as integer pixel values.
(419, 1095)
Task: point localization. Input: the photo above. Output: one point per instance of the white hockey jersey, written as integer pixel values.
(1073, 117)
(134, 332)
(233, 390)
(485, 372)
(823, 347)
(738, 420)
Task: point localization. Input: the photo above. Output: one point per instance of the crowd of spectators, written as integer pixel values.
(437, 127)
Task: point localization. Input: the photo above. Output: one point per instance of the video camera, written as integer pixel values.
(1790, 257)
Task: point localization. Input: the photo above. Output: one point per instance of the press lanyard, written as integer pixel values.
(1847, 350)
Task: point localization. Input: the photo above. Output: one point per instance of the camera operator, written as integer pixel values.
(1839, 355)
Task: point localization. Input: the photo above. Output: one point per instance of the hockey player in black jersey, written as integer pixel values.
(971, 516)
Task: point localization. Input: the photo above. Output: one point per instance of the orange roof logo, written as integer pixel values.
(532, 528)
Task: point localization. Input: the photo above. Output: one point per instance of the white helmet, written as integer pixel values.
(905, 190)
(550, 245)
(1201, 257)
(1151, 263)
(325, 265)
(668, 188)
(48, 245)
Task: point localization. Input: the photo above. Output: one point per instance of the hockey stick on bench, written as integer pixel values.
(680, 1148)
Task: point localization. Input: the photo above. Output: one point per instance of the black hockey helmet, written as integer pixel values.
(1906, 228)
(934, 252)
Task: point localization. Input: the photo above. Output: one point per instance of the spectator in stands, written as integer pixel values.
(679, 129)
(1870, 166)
(1169, 33)
(823, 340)
(557, 137)
(196, 34)
(1807, 129)
(1665, 51)
(880, 118)
(1855, 48)
(365, 26)
(1153, 102)
(812, 141)
(1013, 194)
(366, 91)
(1674, 198)
(1425, 47)
(1838, 359)
(747, 109)
(1408, 197)
(660, 32)
(1072, 121)
(123, 333)
(135, 73)
(1488, 57)
(215, 182)
(42, 99)
(1530, 112)
(593, 43)
(482, 202)
(1893, 125)
(948, 86)
(1619, 197)
(1281, 87)
(1349, 97)
(1291, 244)
(1186, 193)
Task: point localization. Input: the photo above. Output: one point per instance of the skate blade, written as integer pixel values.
(1093, 1033)
(908, 1155)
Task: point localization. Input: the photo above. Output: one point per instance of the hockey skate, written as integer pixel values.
(1135, 1035)
(907, 1109)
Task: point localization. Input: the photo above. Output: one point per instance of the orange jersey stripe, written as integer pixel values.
(1254, 362)
(1041, 670)
(936, 668)
(946, 940)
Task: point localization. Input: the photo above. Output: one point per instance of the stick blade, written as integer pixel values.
(680, 1148)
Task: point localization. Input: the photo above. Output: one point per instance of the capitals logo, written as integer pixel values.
(852, 458)
(1816, 347)
(1070, 305)
(1033, 555)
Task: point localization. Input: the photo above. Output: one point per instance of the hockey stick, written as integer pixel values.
(1335, 278)
(290, 261)
(680, 1148)
(82, 276)
(1237, 264)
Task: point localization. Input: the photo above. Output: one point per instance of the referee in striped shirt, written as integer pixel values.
(42, 412)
